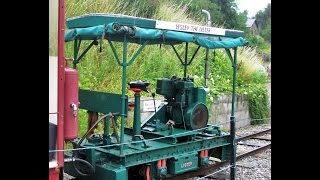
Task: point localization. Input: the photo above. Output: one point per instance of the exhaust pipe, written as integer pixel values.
(206, 65)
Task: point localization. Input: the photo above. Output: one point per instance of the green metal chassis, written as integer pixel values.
(108, 161)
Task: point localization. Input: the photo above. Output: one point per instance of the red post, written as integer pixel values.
(163, 163)
(159, 164)
(60, 128)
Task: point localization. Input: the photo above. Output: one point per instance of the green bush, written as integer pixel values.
(258, 104)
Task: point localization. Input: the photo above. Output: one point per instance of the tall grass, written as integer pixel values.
(81, 7)
(170, 11)
(250, 66)
(252, 79)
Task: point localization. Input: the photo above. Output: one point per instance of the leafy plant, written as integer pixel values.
(258, 105)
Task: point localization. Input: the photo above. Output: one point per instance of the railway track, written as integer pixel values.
(216, 165)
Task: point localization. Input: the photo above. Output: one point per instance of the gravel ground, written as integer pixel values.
(251, 168)
(252, 129)
(66, 176)
(254, 167)
(257, 166)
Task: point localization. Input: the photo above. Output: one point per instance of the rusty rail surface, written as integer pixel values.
(253, 135)
(255, 151)
(261, 138)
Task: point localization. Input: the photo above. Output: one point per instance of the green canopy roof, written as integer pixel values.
(114, 28)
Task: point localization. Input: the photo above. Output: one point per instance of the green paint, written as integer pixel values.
(101, 102)
(184, 107)
(226, 152)
(106, 131)
(123, 90)
(114, 51)
(90, 20)
(204, 161)
(183, 163)
(91, 156)
(137, 117)
(133, 155)
(200, 94)
(162, 172)
(137, 53)
(98, 19)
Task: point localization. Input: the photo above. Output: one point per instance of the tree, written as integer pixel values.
(263, 19)
(195, 7)
(228, 9)
(241, 21)
(266, 31)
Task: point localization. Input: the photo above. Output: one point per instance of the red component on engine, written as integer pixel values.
(71, 104)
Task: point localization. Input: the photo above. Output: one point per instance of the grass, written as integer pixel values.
(249, 62)
(80, 7)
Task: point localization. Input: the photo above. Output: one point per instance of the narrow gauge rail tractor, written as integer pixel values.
(176, 138)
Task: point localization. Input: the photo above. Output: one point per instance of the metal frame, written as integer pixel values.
(134, 157)
(124, 65)
(232, 117)
(76, 47)
(185, 63)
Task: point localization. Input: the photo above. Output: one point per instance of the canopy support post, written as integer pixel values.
(124, 65)
(185, 63)
(138, 52)
(123, 91)
(114, 51)
(232, 117)
(76, 51)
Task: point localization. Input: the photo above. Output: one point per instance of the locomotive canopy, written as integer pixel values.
(114, 27)
(176, 138)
